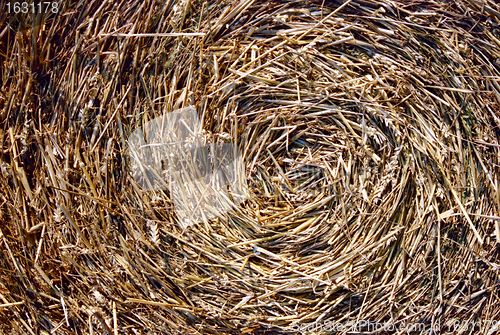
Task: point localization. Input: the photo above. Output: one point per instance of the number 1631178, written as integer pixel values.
(25, 7)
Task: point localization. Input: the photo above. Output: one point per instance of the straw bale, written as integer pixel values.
(370, 136)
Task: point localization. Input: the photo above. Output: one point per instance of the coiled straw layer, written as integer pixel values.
(369, 132)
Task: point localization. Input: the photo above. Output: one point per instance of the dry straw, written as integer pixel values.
(370, 132)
